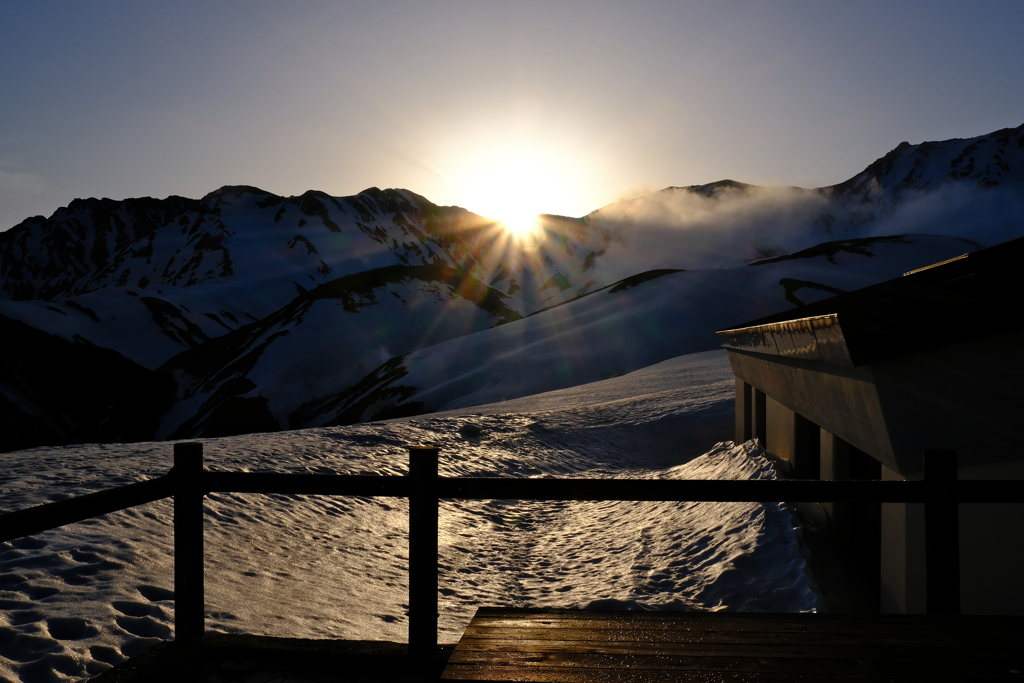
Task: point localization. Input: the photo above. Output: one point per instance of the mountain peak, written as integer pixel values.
(232, 191)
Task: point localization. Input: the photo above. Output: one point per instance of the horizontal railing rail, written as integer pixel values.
(48, 516)
(188, 482)
(692, 490)
(55, 514)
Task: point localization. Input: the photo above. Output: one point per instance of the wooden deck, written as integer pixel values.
(592, 647)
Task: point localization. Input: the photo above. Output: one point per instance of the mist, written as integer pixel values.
(721, 227)
(728, 225)
(986, 216)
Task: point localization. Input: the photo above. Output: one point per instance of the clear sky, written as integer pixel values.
(558, 107)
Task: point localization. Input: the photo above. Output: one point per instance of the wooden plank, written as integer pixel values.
(722, 490)
(423, 508)
(569, 645)
(977, 639)
(725, 650)
(189, 586)
(292, 483)
(751, 618)
(1012, 631)
(586, 675)
(735, 617)
(987, 666)
(693, 490)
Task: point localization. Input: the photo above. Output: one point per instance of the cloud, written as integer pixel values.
(729, 224)
(987, 216)
(725, 227)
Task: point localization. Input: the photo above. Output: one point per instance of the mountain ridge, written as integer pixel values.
(275, 312)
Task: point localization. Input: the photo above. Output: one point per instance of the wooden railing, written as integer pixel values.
(188, 482)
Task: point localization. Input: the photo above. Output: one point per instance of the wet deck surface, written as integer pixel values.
(592, 647)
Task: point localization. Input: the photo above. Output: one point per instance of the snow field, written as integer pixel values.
(79, 599)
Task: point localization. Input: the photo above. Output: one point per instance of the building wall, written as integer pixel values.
(839, 399)
(857, 524)
(961, 396)
(991, 535)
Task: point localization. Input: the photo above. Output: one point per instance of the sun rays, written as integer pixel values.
(511, 192)
(513, 184)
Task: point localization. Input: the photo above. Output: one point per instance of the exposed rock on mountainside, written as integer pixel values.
(84, 245)
(245, 234)
(861, 246)
(913, 171)
(240, 253)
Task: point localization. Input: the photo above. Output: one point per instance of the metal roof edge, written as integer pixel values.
(818, 338)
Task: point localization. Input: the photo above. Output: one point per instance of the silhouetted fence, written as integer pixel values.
(940, 491)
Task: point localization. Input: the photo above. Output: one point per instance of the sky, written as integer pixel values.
(556, 106)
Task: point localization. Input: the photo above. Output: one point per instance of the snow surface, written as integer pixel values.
(615, 331)
(78, 599)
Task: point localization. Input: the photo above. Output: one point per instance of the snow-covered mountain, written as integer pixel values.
(962, 188)
(638, 322)
(914, 172)
(151, 278)
(329, 337)
(278, 312)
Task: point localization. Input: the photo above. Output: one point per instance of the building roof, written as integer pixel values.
(969, 296)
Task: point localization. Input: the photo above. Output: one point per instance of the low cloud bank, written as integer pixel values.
(986, 216)
(732, 225)
(680, 228)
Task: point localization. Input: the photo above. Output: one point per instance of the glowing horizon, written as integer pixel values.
(513, 182)
(508, 110)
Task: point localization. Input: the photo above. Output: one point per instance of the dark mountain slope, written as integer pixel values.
(55, 392)
(43, 258)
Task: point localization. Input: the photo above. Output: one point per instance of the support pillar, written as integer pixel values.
(423, 528)
(189, 598)
(793, 439)
(903, 574)
(834, 465)
(941, 533)
(744, 411)
(759, 428)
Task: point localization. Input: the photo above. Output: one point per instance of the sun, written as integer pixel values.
(522, 224)
(513, 190)
(510, 200)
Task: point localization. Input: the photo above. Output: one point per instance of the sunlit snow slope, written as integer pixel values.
(631, 325)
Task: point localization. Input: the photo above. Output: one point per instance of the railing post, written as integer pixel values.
(189, 601)
(941, 533)
(423, 508)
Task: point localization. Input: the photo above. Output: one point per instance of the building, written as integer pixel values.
(859, 385)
